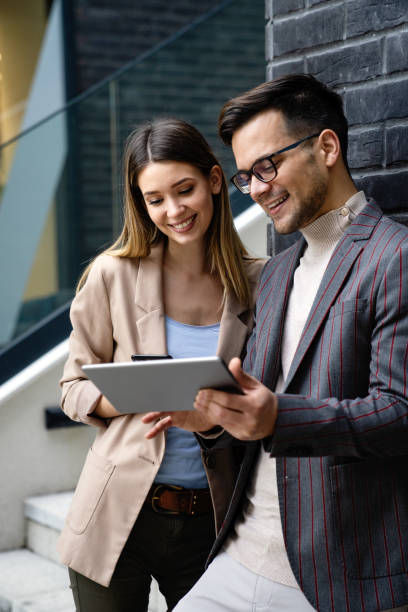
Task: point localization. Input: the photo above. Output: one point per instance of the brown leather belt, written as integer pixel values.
(170, 499)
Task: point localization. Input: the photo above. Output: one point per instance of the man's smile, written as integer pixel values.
(275, 205)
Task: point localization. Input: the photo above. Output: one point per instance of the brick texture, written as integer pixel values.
(377, 101)
(397, 145)
(358, 47)
(368, 16)
(280, 7)
(340, 66)
(387, 189)
(396, 50)
(311, 29)
(292, 66)
(366, 148)
(106, 35)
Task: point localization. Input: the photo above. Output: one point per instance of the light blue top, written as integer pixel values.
(182, 463)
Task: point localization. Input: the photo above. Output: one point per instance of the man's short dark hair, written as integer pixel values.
(307, 105)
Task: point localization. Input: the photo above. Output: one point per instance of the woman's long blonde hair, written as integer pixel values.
(175, 140)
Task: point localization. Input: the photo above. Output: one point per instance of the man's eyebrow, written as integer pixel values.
(259, 159)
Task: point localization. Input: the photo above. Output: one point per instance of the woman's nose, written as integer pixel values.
(174, 207)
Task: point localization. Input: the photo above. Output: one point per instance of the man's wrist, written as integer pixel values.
(214, 432)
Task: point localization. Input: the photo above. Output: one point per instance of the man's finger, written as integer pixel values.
(243, 379)
(216, 401)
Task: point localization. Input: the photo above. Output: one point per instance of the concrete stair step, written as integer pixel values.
(30, 583)
(45, 516)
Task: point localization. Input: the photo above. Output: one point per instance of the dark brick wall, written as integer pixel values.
(107, 34)
(359, 47)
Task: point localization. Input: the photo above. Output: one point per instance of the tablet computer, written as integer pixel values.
(160, 385)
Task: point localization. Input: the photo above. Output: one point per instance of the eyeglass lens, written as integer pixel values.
(264, 170)
(242, 180)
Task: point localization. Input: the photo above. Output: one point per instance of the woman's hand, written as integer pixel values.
(191, 420)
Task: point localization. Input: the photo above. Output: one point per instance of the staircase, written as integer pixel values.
(31, 578)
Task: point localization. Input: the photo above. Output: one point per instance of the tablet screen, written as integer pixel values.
(160, 384)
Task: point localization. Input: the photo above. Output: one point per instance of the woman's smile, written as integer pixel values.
(184, 226)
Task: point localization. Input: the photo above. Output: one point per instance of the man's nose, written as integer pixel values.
(258, 188)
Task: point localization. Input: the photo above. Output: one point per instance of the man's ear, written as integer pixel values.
(329, 147)
(215, 179)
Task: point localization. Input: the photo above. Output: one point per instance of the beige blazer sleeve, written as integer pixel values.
(91, 341)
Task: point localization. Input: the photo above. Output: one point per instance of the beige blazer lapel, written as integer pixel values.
(233, 331)
(150, 320)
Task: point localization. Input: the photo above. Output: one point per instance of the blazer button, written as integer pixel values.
(210, 461)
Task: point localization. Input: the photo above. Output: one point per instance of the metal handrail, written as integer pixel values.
(120, 71)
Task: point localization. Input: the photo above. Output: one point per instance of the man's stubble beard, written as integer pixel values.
(307, 212)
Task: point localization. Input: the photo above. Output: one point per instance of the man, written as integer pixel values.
(319, 515)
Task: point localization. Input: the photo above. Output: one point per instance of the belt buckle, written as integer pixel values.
(156, 496)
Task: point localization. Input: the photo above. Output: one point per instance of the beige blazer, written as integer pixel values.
(119, 311)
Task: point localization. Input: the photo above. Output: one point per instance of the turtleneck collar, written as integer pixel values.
(323, 234)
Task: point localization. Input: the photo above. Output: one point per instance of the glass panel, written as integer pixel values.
(61, 203)
(29, 245)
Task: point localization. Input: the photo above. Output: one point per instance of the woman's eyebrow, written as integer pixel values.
(187, 178)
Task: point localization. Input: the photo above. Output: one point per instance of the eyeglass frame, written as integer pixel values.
(251, 172)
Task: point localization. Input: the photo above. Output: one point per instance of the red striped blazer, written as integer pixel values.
(341, 438)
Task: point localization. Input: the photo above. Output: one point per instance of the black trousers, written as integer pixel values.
(171, 548)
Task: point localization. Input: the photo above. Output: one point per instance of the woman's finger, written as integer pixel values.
(149, 417)
(161, 425)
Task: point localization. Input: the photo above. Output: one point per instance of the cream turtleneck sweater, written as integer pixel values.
(258, 539)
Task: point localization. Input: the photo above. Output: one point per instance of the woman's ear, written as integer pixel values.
(329, 147)
(215, 179)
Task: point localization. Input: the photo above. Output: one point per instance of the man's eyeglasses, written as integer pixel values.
(264, 169)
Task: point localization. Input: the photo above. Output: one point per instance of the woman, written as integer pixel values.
(177, 281)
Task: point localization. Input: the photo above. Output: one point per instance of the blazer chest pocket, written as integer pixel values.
(371, 516)
(349, 307)
(92, 483)
(346, 341)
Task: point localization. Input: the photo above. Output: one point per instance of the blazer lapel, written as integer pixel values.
(233, 331)
(271, 304)
(150, 320)
(340, 264)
